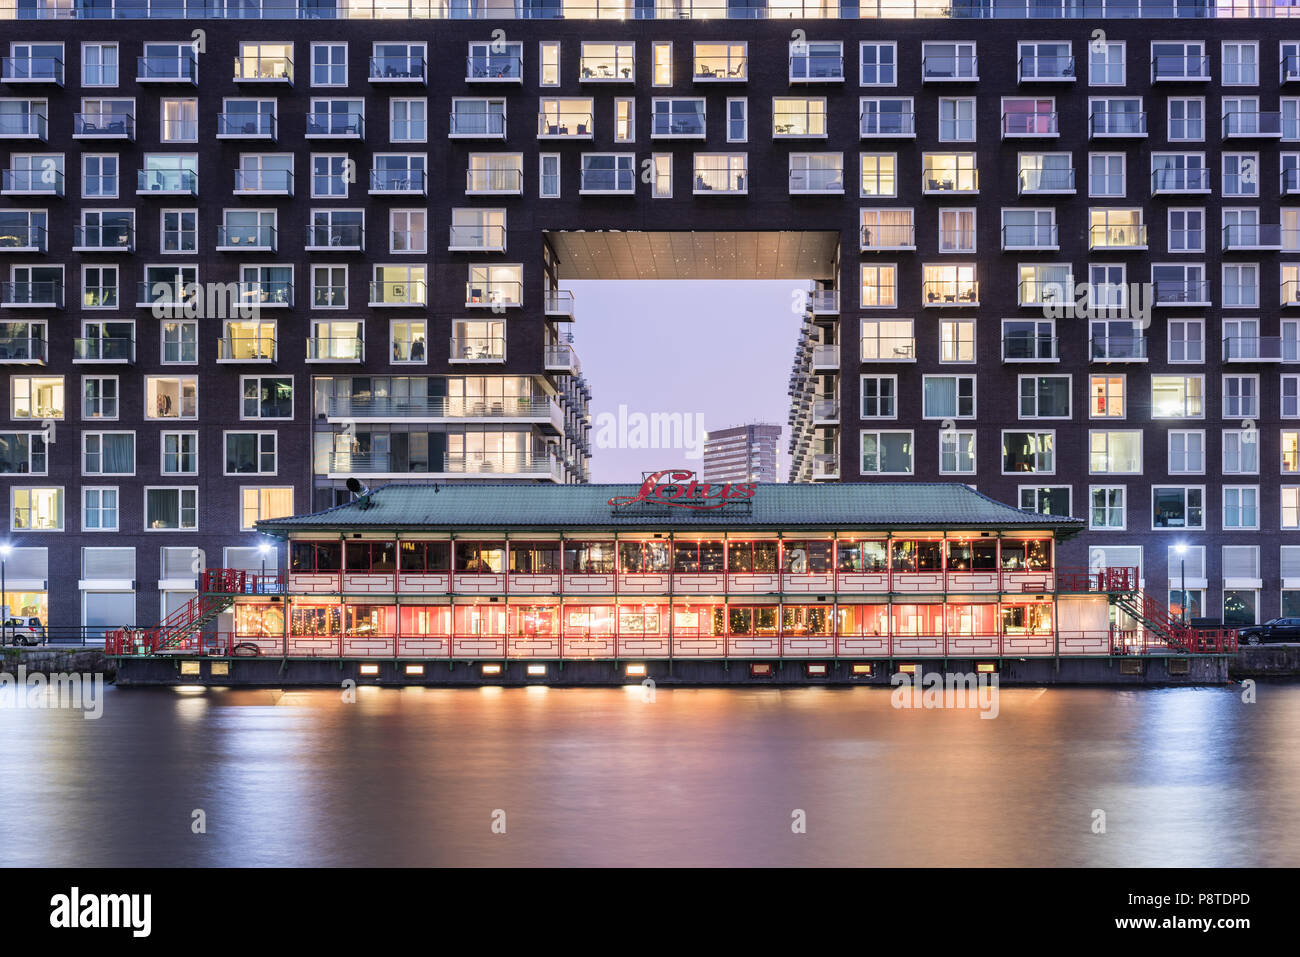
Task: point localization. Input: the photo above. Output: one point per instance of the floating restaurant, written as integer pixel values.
(675, 580)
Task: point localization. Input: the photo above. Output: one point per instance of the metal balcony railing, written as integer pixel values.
(246, 126)
(276, 181)
(477, 349)
(1252, 236)
(494, 180)
(119, 238)
(398, 181)
(336, 349)
(1252, 123)
(1117, 124)
(176, 182)
(1128, 236)
(341, 236)
(23, 238)
(1046, 67)
(1181, 292)
(1030, 124)
(399, 69)
(40, 182)
(236, 238)
(23, 349)
(1122, 348)
(246, 349)
(104, 349)
(564, 122)
(886, 124)
(104, 125)
(166, 69)
(335, 124)
(44, 293)
(1179, 68)
(31, 69)
(888, 237)
(503, 463)
(1254, 349)
(255, 68)
(478, 236)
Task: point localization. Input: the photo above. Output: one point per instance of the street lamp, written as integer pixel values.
(4, 596)
(263, 549)
(1181, 549)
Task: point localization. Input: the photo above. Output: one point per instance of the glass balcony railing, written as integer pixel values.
(42, 293)
(496, 292)
(946, 179)
(888, 237)
(326, 296)
(245, 126)
(1128, 236)
(336, 349)
(816, 181)
(246, 349)
(1252, 123)
(444, 407)
(733, 178)
(1039, 236)
(813, 67)
(826, 356)
(1290, 67)
(1029, 347)
(617, 66)
(824, 302)
(798, 124)
(950, 292)
(1179, 69)
(1181, 292)
(166, 293)
(950, 67)
(1030, 124)
(341, 236)
(561, 357)
(256, 238)
(1045, 292)
(888, 349)
(113, 126)
(477, 236)
(256, 68)
(175, 182)
(104, 349)
(494, 67)
(23, 349)
(1252, 236)
(412, 181)
(826, 409)
(492, 180)
(678, 123)
(564, 122)
(467, 123)
(1123, 348)
(31, 69)
(1291, 292)
(558, 302)
(25, 126)
(1117, 124)
(1254, 349)
(1290, 181)
(166, 69)
(32, 182)
(487, 463)
(399, 69)
(1180, 181)
(1046, 181)
(120, 238)
(1046, 67)
(398, 292)
(721, 67)
(340, 125)
(608, 181)
(268, 293)
(477, 349)
(826, 465)
(278, 182)
(23, 238)
(887, 124)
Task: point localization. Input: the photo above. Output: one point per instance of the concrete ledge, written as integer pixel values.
(1265, 661)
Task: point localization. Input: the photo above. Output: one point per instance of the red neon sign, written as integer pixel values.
(680, 489)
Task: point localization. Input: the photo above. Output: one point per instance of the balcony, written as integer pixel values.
(817, 68)
(32, 295)
(1291, 182)
(889, 237)
(826, 410)
(1194, 292)
(950, 68)
(113, 239)
(1254, 349)
(558, 303)
(246, 349)
(561, 358)
(495, 294)
(168, 296)
(1252, 125)
(167, 69)
(798, 125)
(872, 125)
(1030, 125)
(239, 239)
(535, 411)
(494, 182)
(476, 238)
(682, 125)
(267, 295)
(889, 349)
(340, 238)
(1291, 292)
(1165, 181)
(22, 126)
(1118, 348)
(399, 69)
(1042, 236)
(263, 182)
(1290, 68)
(103, 126)
(813, 182)
(1117, 125)
(245, 126)
(718, 181)
(1180, 69)
(473, 465)
(824, 302)
(23, 350)
(31, 182)
(1039, 182)
(564, 124)
(166, 182)
(104, 349)
(1029, 347)
(345, 349)
(398, 182)
(825, 358)
(255, 68)
(400, 293)
(334, 126)
(1130, 236)
(607, 182)
(23, 239)
(1252, 236)
(476, 349)
(15, 70)
(1036, 293)
(940, 180)
(950, 293)
(720, 68)
(1048, 68)
(826, 465)
(611, 68)
(467, 125)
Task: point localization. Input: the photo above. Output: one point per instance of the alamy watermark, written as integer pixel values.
(934, 690)
(626, 429)
(60, 690)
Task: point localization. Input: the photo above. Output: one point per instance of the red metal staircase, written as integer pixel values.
(182, 630)
(1163, 628)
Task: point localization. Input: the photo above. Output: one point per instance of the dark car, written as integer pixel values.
(1271, 632)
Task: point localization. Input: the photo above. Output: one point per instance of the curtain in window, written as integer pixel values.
(163, 509)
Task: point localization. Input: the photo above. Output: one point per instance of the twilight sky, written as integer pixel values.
(721, 349)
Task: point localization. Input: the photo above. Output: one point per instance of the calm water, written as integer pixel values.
(599, 776)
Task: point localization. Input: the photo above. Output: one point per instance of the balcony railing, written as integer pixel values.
(499, 463)
(478, 237)
(1046, 68)
(491, 181)
(574, 123)
(24, 126)
(1029, 347)
(240, 238)
(729, 180)
(888, 237)
(477, 349)
(22, 349)
(1043, 292)
(104, 349)
(888, 349)
(31, 69)
(1118, 348)
(401, 292)
(1129, 236)
(824, 302)
(278, 182)
(942, 179)
(31, 182)
(110, 238)
(46, 294)
(338, 125)
(682, 123)
(825, 357)
(961, 67)
(1252, 236)
(826, 409)
(108, 126)
(1045, 181)
(444, 407)
(720, 67)
(173, 182)
(398, 69)
(558, 302)
(250, 126)
(561, 357)
(165, 293)
(246, 349)
(1117, 124)
(1184, 292)
(951, 292)
(1246, 124)
(619, 181)
(22, 239)
(619, 67)
(1179, 69)
(493, 293)
(467, 124)
(1180, 181)
(341, 237)
(826, 465)
(336, 349)
(1254, 349)
(798, 124)
(816, 67)
(166, 69)
(816, 181)
(1290, 68)
(272, 293)
(1042, 236)
(1291, 292)
(886, 124)
(1290, 182)
(255, 68)
(412, 181)
(1030, 124)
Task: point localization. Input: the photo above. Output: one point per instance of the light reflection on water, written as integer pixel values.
(699, 776)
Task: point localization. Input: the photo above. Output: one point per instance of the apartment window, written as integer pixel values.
(624, 120)
(1240, 452)
(548, 64)
(1186, 119)
(257, 504)
(1240, 396)
(1044, 397)
(35, 509)
(1180, 507)
(879, 286)
(878, 64)
(108, 453)
(408, 341)
(886, 453)
(549, 174)
(1114, 453)
(879, 174)
(1105, 63)
(1186, 452)
(737, 119)
(99, 509)
(1186, 340)
(1186, 232)
(250, 453)
(408, 120)
(99, 176)
(1290, 507)
(99, 397)
(677, 118)
(99, 287)
(816, 60)
(329, 64)
(1177, 397)
(1240, 64)
(956, 119)
(661, 183)
(1241, 174)
(1240, 507)
(36, 397)
(887, 229)
(171, 509)
(408, 231)
(180, 342)
(879, 397)
(171, 397)
(957, 340)
(661, 55)
(1290, 443)
(329, 175)
(266, 397)
(1028, 452)
(1240, 285)
(816, 172)
(956, 230)
(948, 397)
(180, 120)
(1107, 507)
(99, 64)
(1290, 389)
(24, 452)
(1045, 499)
(1106, 174)
(800, 116)
(956, 452)
(887, 340)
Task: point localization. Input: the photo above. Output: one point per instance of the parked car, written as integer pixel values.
(1276, 630)
(22, 631)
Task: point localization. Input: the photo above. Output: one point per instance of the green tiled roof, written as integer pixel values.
(851, 505)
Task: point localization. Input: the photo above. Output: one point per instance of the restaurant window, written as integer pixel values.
(807, 558)
(806, 619)
(259, 621)
(693, 621)
(485, 557)
(973, 556)
(636, 557)
(749, 557)
(480, 620)
(315, 556)
(916, 620)
(366, 621)
(424, 620)
(535, 557)
(633, 620)
(870, 621)
(589, 557)
(1029, 619)
(971, 620)
(917, 556)
(420, 556)
(315, 621)
(366, 556)
(867, 556)
(1027, 555)
(752, 620)
(534, 621)
(691, 557)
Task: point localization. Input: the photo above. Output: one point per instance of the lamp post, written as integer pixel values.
(1181, 548)
(4, 595)
(263, 549)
